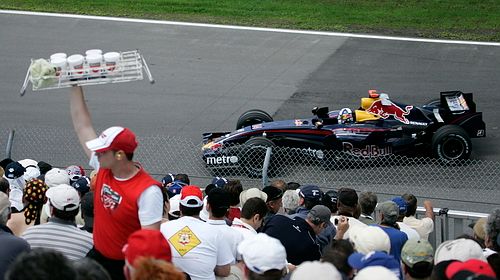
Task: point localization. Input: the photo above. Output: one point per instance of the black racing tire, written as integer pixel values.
(451, 143)
(252, 117)
(253, 155)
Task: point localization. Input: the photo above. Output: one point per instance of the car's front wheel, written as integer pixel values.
(252, 117)
(254, 154)
(450, 143)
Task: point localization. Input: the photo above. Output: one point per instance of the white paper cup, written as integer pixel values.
(75, 62)
(95, 62)
(93, 51)
(59, 63)
(58, 55)
(111, 59)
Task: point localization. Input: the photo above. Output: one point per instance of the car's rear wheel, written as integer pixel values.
(451, 143)
(252, 117)
(254, 154)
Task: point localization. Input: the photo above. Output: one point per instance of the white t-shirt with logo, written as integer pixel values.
(197, 247)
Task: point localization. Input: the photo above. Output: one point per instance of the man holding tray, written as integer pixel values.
(126, 198)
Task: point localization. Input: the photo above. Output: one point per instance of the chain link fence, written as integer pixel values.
(468, 185)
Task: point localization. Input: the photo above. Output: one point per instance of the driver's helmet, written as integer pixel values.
(345, 116)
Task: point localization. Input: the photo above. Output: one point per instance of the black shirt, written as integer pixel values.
(297, 237)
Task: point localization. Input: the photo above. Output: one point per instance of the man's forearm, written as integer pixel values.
(80, 116)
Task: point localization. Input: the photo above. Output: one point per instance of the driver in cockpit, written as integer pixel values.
(345, 116)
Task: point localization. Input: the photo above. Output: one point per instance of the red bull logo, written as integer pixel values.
(385, 111)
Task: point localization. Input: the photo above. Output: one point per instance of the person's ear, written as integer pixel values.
(256, 218)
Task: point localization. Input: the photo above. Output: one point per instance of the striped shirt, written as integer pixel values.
(62, 236)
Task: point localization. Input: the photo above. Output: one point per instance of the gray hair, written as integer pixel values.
(368, 202)
(493, 228)
(4, 216)
(290, 200)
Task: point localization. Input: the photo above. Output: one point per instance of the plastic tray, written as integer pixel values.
(128, 68)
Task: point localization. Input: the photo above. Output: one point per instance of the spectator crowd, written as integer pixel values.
(229, 231)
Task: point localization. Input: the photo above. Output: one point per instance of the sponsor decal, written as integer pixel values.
(480, 132)
(257, 126)
(385, 111)
(417, 123)
(367, 151)
(110, 198)
(319, 154)
(298, 122)
(222, 160)
(184, 240)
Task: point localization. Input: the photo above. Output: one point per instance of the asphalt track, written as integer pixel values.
(207, 76)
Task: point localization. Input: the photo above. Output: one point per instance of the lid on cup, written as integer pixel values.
(94, 58)
(93, 51)
(56, 55)
(112, 56)
(58, 61)
(75, 59)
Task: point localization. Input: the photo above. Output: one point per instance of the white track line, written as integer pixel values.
(235, 27)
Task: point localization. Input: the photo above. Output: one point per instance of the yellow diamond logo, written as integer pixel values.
(184, 241)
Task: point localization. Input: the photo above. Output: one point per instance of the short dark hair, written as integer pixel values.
(412, 204)
(4, 185)
(253, 206)
(368, 202)
(272, 274)
(292, 186)
(234, 188)
(420, 270)
(310, 203)
(218, 199)
(337, 254)
(88, 269)
(190, 211)
(41, 264)
(183, 178)
(65, 215)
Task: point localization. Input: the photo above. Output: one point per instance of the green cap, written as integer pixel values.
(415, 251)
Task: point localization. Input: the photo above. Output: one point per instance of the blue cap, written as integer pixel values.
(219, 182)
(14, 170)
(176, 187)
(402, 204)
(82, 185)
(311, 192)
(169, 178)
(375, 258)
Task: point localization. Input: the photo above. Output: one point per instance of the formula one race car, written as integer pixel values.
(442, 128)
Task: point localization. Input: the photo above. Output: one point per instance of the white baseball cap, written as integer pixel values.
(55, 177)
(367, 239)
(316, 270)
(262, 253)
(63, 197)
(250, 193)
(375, 273)
(459, 249)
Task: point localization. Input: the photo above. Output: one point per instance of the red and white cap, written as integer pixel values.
(114, 138)
(191, 196)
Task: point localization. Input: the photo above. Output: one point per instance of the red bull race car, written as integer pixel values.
(441, 128)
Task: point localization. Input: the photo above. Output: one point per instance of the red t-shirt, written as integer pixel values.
(234, 212)
(116, 210)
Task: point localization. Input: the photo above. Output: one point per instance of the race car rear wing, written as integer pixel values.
(457, 102)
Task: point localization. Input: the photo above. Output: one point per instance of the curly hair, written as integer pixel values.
(149, 268)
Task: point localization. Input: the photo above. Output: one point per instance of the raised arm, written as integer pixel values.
(81, 118)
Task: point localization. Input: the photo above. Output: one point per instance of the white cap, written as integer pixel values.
(459, 249)
(31, 173)
(28, 162)
(367, 239)
(174, 205)
(375, 273)
(253, 192)
(316, 270)
(63, 197)
(55, 177)
(262, 253)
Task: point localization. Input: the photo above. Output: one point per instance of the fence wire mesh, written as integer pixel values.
(461, 184)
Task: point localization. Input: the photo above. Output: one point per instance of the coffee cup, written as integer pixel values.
(58, 55)
(95, 61)
(59, 63)
(93, 51)
(75, 63)
(111, 59)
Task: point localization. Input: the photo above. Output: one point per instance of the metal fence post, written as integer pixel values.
(10, 141)
(265, 168)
